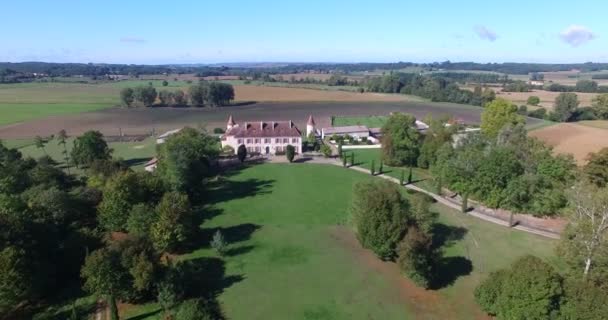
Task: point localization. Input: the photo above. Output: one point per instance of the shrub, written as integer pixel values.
(219, 131)
(380, 215)
(540, 113)
(372, 168)
(241, 153)
(380, 168)
(290, 152)
(218, 243)
(326, 150)
(533, 100)
(194, 309)
(417, 258)
(530, 289)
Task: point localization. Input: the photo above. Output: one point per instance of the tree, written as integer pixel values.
(344, 162)
(340, 151)
(179, 98)
(241, 153)
(220, 94)
(380, 215)
(422, 214)
(175, 225)
(530, 289)
(15, 278)
(104, 276)
(497, 115)
(596, 169)
(584, 244)
(417, 257)
(218, 243)
(165, 83)
(564, 107)
(40, 143)
(167, 296)
(380, 168)
(198, 94)
(533, 100)
(438, 133)
(195, 309)
(372, 168)
(140, 219)
(401, 140)
(165, 97)
(89, 147)
(583, 300)
(127, 96)
(402, 178)
(600, 106)
(146, 95)
(62, 136)
(290, 152)
(185, 160)
(326, 150)
(352, 158)
(120, 194)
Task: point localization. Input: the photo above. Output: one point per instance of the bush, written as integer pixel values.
(195, 309)
(290, 152)
(219, 131)
(241, 153)
(523, 110)
(530, 289)
(417, 259)
(533, 100)
(326, 150)
(540, 113)
(380, 215)
(218, 243)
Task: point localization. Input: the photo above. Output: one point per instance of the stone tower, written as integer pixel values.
(230, 123)
(310, 126)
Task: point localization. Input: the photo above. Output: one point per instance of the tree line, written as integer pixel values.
(202, 94)
(566, 108)
(111, 230)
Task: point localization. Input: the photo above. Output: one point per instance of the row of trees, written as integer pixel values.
(434, 88)
(566, 108)
(205, 93)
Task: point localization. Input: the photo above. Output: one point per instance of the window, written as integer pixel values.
(267, 140)
(294, 140)
(257, 140)
(277, 140)
(285, 140)
(248, 141)
(240, 141)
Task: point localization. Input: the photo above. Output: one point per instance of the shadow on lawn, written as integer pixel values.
(232, 235)
(225, 190)
(136, 161)
(449, 268)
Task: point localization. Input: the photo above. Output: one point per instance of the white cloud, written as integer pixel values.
(576, 35)
(132, 40)
(485, 33)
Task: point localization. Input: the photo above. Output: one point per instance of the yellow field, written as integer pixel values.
(281, 94)
(547, 98)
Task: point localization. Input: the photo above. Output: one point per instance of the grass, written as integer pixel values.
(370, 122)
(134, 153)
(13, 113)
(283, 258)
(364, 157)
(601, 124)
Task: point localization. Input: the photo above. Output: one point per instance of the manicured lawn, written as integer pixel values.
(370, 122)
(285, 262)
(364, 157)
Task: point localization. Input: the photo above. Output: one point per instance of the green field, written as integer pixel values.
(285, 261)
(134, 153)
(370, 122)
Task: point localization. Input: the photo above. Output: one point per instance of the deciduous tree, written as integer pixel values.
(401, 140)
(497, 115)
(89, 147)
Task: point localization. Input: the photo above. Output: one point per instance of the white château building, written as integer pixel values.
(265, 137)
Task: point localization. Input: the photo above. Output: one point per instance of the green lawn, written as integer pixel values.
(134, 153)
(13, 112)
(285, 262)
(370, 122)
(364, 157)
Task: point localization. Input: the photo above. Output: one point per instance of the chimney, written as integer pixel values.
(261, 125)
(246, 125)
(273, 125)
(290, 124)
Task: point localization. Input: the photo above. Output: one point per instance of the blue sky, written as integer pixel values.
(179, 31)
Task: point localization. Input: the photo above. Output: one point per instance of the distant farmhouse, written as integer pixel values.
(265, 137)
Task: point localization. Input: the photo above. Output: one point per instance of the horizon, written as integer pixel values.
(270, 31)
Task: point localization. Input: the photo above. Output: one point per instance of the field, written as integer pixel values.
(293, 255)
(573, 138)
(28, 101)
(145, 120)
(547, 98)
(370, 121)
(566, 77)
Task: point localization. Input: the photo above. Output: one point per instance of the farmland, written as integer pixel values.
(573, 138)
(289, 235)
(547, 98)
(144, 120)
